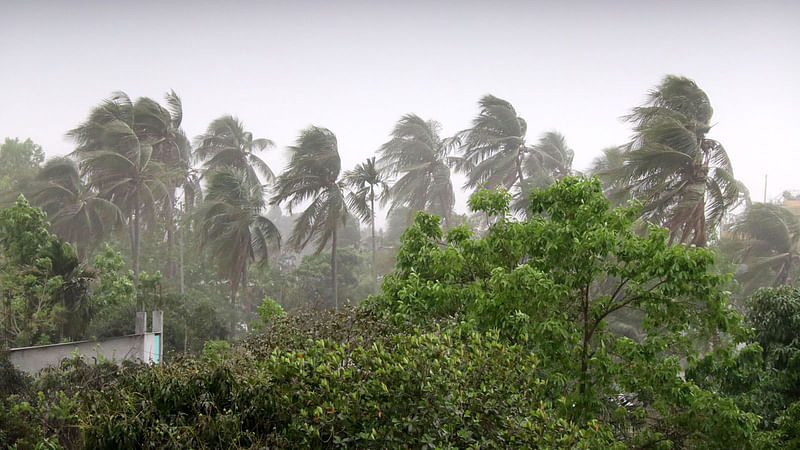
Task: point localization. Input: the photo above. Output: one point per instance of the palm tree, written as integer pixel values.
(116, 154)
(684, 179)
(547, 161)
(171, 148)
(313, 174)
(493, 149)
(366, 180)
(77, 214)
(232, 225)
(226, 144)
(767, 241)
(420, 157)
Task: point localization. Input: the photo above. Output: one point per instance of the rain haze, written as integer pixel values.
(357, 67)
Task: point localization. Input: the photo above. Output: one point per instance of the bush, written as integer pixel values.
(440, 390)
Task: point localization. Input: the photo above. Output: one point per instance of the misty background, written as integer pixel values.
(356, 67)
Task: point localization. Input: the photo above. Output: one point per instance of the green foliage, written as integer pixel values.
(19, 163)
(437, 390)
(763, 376)
(116, 282)
(269, 309)
(47, 412)
(552, 282)
(311, 285)
(23, 233)
(346, 326)
(44, 285)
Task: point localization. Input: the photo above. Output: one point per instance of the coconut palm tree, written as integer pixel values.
(766, 240)
(366, 181)
(232, 226)
(547, 161)
(171, 148)
(76, 213)
(493, 149)
(227, 144)
(313, 174)
(684, 179)
(115, 152)
(420, 158)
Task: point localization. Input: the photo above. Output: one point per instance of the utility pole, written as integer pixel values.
(765, 188)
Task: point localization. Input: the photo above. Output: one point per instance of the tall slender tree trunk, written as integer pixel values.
(334, 271)
(169, 267)
(181, 274)
(135, 241)
(374, 249)
(518, 162)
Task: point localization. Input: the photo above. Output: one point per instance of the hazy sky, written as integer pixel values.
(356, 67)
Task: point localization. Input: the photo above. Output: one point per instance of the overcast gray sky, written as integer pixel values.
(356, 67)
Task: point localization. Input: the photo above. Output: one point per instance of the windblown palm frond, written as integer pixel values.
(419, 156)
(232, 226)
(76, 213)
(313, 174)
(767, 243)
(494, 147)
(684, 179)
(366, 183)
(115, 150)
(607, 168)
(227, 143)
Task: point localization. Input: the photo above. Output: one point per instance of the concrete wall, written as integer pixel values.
(138, 348)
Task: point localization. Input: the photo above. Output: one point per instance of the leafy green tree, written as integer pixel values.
(762, 374)
(116, 282)
(77, 214)
(438, 390)
(268, 310)
(684, 178)
(420, 157)
(310, 284)
(553, 282)
(366, 181)
(766, 240)
(227, 144)
(313, 174)
(44, 284)
(19, 163)
(115, 151)
(232, 225)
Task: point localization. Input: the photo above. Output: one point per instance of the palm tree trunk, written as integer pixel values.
(374, 249)
(334, 271)
(169, 268)
(700, 237)
(518, 162)
(135, 241)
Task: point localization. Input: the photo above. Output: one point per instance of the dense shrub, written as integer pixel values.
(433, 390)
(48, 411)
